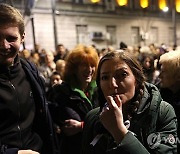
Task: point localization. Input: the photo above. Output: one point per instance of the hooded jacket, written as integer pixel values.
(153, 129)
(25, 119)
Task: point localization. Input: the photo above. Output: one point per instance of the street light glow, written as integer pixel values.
(166, 9)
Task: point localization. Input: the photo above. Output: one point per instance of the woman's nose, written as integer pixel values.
(114, 82)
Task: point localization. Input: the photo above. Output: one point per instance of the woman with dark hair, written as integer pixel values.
(132, 117)
(74, 98)
(147, 63)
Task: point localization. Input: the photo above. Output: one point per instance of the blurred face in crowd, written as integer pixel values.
(147, 63)
(60, 66)
(116, 77)
(85, 73)
(35, 57)
(10, 41)
(49, 57)
(55, 79)
(61, 49)
(26, 53)
(167, 79)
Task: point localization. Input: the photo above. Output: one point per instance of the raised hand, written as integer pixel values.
(112, 118)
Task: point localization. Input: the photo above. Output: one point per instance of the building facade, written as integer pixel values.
(70, 22)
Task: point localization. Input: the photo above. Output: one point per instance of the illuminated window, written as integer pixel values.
(95, 1)
(177, 3)
(162, 4)
(144, 3)
(122, 2)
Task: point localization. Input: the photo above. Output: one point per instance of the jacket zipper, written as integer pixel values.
(19, 114)
(142, 138)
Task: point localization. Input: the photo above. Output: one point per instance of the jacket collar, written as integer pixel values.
(12, 71)
(151, 98)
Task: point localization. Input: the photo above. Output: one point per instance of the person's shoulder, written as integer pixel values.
(166, 116)
(91, 117)
(93, 112)
(28, 64)
(166, 110)
(62, 90)
(151, 86)
(62, 87)
(153, 91)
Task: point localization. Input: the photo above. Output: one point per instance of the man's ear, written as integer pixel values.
(22, 39)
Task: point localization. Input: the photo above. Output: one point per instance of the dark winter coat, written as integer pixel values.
(174, 100)
(70, 103)
(25, 119)
(152, 130)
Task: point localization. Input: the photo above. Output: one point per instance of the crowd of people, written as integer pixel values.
(86, 100)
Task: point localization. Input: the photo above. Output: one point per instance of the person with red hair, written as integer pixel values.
(75, 97)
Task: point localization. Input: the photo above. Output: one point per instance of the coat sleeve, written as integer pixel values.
(130, 144)
(162, 141)
(5, 150)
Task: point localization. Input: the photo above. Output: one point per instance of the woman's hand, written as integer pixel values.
(71, 127)
(27, 152)
(112, 118)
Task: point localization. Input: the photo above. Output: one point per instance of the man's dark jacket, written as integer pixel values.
(42, 124)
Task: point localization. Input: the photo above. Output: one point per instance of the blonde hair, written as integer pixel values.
(60, 66)
(172, 62)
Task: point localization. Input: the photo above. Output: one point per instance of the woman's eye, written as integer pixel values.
(121, 75)
(124, 74)
(104, 77)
